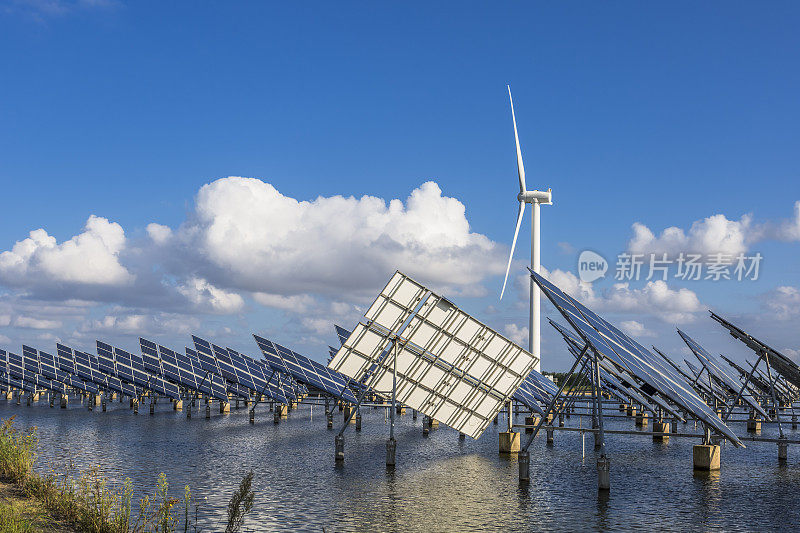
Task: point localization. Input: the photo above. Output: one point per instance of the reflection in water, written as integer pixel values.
(439, 484)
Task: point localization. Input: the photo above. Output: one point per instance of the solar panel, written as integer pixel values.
(782, 364)
(209, 355)
(129, 367)
(12, 365)
(611, 343)
(305, 370)
(30, 362)
(710, 363)
(264, 379)
(620, 383)
(49, 368)
(181, 369)
(755, 379)
(90, 369)
(450, 366)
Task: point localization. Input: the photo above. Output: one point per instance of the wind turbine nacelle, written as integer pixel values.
(537, 197)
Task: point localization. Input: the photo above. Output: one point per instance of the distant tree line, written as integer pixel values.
(575, 380)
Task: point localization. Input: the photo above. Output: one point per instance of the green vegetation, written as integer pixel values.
(86, 502)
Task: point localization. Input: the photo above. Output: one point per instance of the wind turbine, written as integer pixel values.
(536, 198)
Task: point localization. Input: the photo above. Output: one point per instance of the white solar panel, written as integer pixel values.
(449, 366)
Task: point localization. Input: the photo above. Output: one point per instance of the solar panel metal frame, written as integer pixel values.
(208, 353)
(632, 356)
(450, 366)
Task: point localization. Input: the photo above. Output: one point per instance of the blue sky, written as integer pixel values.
(661, 115)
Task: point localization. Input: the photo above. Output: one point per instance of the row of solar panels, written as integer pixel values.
(208, 369)
(631, 372)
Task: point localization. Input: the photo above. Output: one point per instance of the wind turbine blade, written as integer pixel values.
(513, 245)
(520, 165)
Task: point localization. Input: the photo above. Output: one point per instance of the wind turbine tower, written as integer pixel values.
(536, 198)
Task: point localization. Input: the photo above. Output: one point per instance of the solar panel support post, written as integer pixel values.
(550, 406)
(774, 395)
(739, 394)
(603, 463)
(391, 444)
(258, 399)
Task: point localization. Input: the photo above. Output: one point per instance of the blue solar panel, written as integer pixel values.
(263, 379)
(209, 355)
(710, 363)
(609, 342)
(130, 368)
(87, 367)
(305, 370)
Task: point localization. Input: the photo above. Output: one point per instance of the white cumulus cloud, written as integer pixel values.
(245, 234)
(635, 329)
(206, 296)
(714, 234)
(90, 258)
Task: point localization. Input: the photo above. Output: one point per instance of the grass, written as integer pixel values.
(87, 502)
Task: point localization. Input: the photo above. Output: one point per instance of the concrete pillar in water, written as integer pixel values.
(754, 425)
(64, 401)
(642, 419)
(358, 420)
(9, 394)
(660, 427)
(524, 460)
(135, 406)
(98, 400)
(338, 442)
(224, 407)
(252, 415)
(282, 410)
(550, 432)
(622, 407)
(330, 420)
(509, 442)
(461, 436)
(426, 427)
(783, 446)
(549, 418)
(391, 448)
(603, 473)
(401, 410)
(103, 403)
(631, 411)
(52, 400)
(36, 396)
(208, 410)
(177, 405)
(706, 456)
(433, 423)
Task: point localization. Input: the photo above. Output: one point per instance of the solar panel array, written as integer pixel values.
(130, 368)
(211, 359)
(782, 364)
(181, 369)
(449, 366)
(609, 342)
(305, 370)
(710, 363)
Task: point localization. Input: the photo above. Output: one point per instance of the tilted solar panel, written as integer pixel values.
(305, 370)
(449, 366)
(209, 359)
(782, 364)
(609, 342)
(130, 368)
(719, 373)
